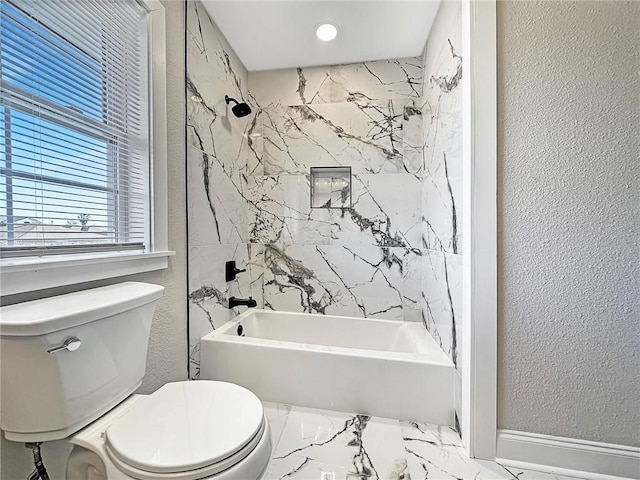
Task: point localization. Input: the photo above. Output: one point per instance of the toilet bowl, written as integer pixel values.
(71, 365)
(185, 430)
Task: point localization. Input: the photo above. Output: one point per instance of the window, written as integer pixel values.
(74, 127)
(83, 119)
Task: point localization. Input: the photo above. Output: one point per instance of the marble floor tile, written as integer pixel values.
(311, 444)
(277, 415)
(338, 445)
(521, 474)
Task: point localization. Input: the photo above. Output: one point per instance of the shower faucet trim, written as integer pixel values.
(242, 302)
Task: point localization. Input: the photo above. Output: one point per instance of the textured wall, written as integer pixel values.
(569, 221)
(167, 353)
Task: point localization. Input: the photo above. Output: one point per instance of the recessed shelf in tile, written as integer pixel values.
(330, 187)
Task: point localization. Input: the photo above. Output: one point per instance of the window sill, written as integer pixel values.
(28, 274)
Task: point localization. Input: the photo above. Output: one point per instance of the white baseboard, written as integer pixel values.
(567, 456)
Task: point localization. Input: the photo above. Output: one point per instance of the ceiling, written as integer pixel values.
(268, 35)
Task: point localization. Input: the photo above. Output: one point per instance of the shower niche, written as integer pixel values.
(330, 187)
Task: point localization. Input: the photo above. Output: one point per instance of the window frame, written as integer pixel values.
(23, 274)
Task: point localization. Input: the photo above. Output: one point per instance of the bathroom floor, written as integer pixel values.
(310, 444)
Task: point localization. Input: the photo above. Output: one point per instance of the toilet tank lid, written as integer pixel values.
(39, 317)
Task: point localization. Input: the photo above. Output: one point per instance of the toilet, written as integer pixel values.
(70, 365)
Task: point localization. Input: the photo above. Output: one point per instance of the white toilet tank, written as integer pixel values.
(101, 337)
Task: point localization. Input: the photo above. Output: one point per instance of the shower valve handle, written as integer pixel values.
(231, 271)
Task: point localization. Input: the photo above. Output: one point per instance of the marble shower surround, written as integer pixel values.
(441, 115)
(365, 281)
(385, 212)
(394, 254)
(248, 194)
(356, 261)
(397, 122)
(217, 153)
(379, 80)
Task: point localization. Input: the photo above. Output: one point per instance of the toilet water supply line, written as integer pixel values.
(40, 471)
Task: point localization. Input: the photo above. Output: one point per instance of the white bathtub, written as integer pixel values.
(375, 367)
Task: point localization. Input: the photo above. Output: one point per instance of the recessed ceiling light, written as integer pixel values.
(196, 98)
(326, 32)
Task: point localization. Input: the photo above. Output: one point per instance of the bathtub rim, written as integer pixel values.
(224, 334)
(251, 311)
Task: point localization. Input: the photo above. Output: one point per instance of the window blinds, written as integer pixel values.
(74, 126)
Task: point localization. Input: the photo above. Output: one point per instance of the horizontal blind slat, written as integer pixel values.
(24, 43)
(65, 117)
(116, 116)
(25, 158)
(62, 185)
(35, 129)
(64, 202)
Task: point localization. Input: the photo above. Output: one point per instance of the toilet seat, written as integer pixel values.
(199, 473)
(186, 430)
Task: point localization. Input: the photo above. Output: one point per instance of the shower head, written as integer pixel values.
(239, 109)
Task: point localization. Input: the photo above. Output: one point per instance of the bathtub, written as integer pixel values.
(374, 367)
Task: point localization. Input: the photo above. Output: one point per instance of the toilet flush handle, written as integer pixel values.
(71, 344)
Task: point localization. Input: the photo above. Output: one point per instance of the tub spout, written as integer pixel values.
(237, 302)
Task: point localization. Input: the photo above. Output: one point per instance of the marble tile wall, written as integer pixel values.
(249, 192)
(218, 228)
(441, 114)
(441, 118)
(358, 261)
